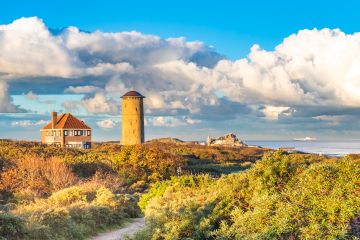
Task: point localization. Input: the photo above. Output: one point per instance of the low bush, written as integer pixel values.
(74, 213)
(11, 227)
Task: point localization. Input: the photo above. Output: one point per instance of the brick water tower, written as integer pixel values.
(132, 118)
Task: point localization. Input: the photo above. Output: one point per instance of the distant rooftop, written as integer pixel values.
(133, 94)
(67, 121)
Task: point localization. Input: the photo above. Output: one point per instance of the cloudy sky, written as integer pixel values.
(261, 71)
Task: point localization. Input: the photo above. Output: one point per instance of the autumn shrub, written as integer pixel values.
(148, 164)
(283, 196)
(134, 166)
(39, 176)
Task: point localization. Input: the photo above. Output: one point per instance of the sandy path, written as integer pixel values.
(119, 234)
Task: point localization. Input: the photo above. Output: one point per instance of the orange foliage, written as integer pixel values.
(37, 175)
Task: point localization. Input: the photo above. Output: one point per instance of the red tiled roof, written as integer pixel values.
(68, 121)
(133, 94)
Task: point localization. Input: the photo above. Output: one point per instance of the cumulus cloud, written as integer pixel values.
(312, 68)
(34, 97)
(106, 124)
(31, 96)
(123, 60)
(71, 105)
(28, 123)
(6, 105)
(27, 48)
(273, 112)
(332, 120)
(100, 103)
(169, 121)
(81, 89)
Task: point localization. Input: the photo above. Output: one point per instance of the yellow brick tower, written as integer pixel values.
(132, 118)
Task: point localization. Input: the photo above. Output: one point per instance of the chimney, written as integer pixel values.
(53, 119)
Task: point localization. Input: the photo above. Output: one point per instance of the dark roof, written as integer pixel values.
(132, 94)
(67, 121)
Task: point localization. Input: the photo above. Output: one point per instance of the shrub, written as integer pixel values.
(144, 163)
(37, 175)
(104, 197)
(68, 196)
(76, 212)
(283, 196)
(11, 227)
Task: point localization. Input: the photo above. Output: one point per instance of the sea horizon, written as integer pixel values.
(326, 147)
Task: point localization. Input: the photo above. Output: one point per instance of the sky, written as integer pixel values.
(265, 70)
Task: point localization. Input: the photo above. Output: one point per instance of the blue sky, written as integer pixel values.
(256, 68)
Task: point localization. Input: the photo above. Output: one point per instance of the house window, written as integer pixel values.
(71, 133)
(65, 133)
(88, 132)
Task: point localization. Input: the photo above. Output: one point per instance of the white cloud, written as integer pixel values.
(109, 69)
(6, 105)
(313, 67)
(106, 124)
(168, 121)
(27, 48)
(32, 96)
(101, 104)
(28, 123)
(273, 112)
(81, 89)
(332, 120)
(71, 105)
(178, 77)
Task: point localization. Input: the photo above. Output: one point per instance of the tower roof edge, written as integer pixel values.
(133, 94)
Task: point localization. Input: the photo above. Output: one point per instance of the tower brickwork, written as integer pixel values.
(132, 118)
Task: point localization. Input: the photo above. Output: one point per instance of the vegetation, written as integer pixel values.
(186, 191)
(53, 193)
(283, 196)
